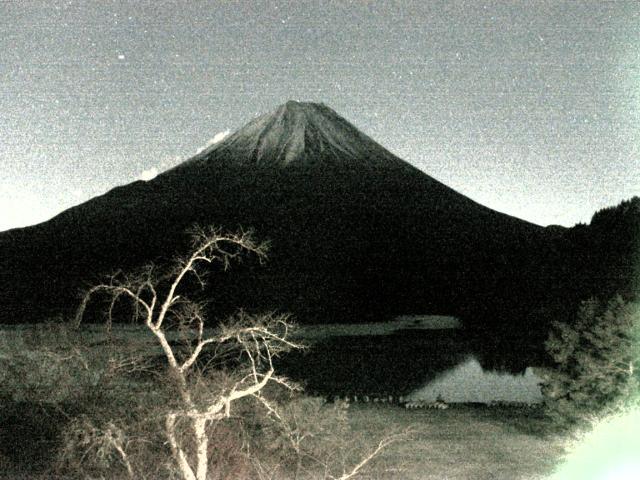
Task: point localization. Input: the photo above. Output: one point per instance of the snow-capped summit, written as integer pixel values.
(300, 134)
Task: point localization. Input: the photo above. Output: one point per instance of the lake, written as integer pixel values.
(418, 357)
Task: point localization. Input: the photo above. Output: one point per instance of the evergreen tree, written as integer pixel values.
(596, 361)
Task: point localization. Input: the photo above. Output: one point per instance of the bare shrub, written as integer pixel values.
(310, 438)
(46, 363)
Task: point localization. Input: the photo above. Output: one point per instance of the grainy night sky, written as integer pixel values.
(531, 108)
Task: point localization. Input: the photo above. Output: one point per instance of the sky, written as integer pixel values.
(531, 108)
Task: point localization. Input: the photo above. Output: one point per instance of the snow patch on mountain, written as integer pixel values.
(217, 138)
(148, 174)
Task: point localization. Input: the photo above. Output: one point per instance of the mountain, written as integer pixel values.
(356, 233)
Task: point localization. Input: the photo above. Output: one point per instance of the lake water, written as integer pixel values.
(469, 382)
(420, 357)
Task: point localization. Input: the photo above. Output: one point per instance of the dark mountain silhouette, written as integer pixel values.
(601, 259)
(356, 234)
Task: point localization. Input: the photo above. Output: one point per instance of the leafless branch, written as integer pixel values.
(382, 445)
(159, 302)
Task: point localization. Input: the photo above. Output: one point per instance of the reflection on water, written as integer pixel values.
(469, 382)
(405, 361)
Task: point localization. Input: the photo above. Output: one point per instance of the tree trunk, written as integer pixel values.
(199, 428)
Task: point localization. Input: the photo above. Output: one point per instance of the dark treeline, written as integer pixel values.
(598, 260)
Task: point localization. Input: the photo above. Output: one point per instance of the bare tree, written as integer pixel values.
(160, 302)
(162, 306)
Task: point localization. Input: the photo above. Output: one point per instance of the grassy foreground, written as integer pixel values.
(462, 442)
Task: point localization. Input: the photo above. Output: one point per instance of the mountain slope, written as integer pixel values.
(356, 232)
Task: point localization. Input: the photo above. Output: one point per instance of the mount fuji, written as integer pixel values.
(357, 233)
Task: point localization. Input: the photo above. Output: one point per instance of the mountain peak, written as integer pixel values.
(299, 134)
(295, 107)
(295, 104)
